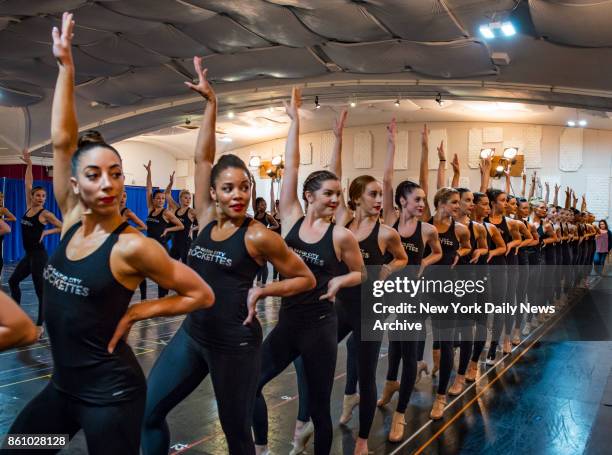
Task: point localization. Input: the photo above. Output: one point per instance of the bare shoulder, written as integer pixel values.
(461, 228)
(428, 228)
(131, 242)
(387, 232)
(258, 233)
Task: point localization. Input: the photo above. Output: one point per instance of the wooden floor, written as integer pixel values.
(542, 398)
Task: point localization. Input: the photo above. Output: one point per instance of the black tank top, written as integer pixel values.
(372, 256)
(83, 304)
(320, 257)
(156, 226)
(229, 269)
(183, 235)
(511, 258)
(123, 211)
(31, 230)
(413, 245)
(497, 260)
(449, 244)
(263, 220)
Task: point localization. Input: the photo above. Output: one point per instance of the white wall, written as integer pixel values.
(135, 154)
(597, 156)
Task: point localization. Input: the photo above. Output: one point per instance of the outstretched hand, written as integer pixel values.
(455, 164)
(203, 86)
(557, 188)
(148, 167)
(26, 156)
(392, 130)
(293, 107)
(339, 124)
(252, 298)
(485, 165)
(171, 179)
(62, 42)
(122, 330)
(441, 154)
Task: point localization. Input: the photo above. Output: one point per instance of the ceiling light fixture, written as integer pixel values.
(230, 114)
(497, 29)
(508, 29)
(397, 102)
(439, 100)
(486, 32)
(353, 104)
(582, 122)
(487, 153)
(317, 105)
(571, 123)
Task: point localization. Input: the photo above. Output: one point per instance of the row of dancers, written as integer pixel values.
(97, 384)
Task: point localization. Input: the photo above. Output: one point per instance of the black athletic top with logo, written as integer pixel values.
(156, 225)
(229, 269)
(182, 236)
(372, 256)
(496, 260)
(413, 245)
(320, 257)
(31, 230)
(83, 304)
(449, 244)
(511, 258)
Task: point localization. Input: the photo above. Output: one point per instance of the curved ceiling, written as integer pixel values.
(132, 56)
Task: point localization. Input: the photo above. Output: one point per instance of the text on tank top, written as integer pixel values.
(31, 230)
(156, 225)
(413, 245)
(504, 229)
(449, 244)
(83, 305)
(320, 257)
(229, 269)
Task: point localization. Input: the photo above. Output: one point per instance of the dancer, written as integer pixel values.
(128, 215)
(160, 223)
(181, 239)
(97, 384)
(307, 324)
(415, 235)
(260, 214)
(33, 231)
(276, 215)
(5, 215)
(225, 341)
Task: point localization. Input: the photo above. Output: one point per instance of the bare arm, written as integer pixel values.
(500, 245)
(390, 217)
(351, 256)
(523, 183)
(485, 173)
(28, 178)
(525, 234)
(50, 218)
(147, 258)
(343, 213)
(441, 166)
(481, 243)
(149, 186)
(64, 126)
(507, 175)
(178, 224)
(205, 146)
(431, 238)
(424, 170)
(552, 235)
(567, 198)
(7, 215)
(516, 236)
(463, 235)
(289, 205)
(273, 223)
(556, 198)
(134, 219)
(456, 171)
(546, 193)
(393, 245)
(583, 205)
(532, 186)
(4, 228)
(16, 328)
(254, 194)
(172, 205)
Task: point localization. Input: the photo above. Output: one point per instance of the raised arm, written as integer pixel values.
(16, 328)
(546, 193)
(131, 216)
(289, 205)
(574, 199)
(50, 218)
(532, 186)
(567, 198)
(272, 200)
(254, 193)
(388, 208)
(441, 181)
(343, 213)
(205, 146)
(149, 186)
(28, 179)
(64, 126)
(456, 171)
(508, 184)
(485, 173)
(583, 205)
(556, 198)
(145, 257)
(523, 183)
(172, 204)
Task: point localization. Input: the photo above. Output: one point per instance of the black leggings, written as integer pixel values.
(32, 263)
(180, 368)
(108, 429)
(262, 273)
(179, 250)
(443, 336)
(317, 344)
(408, 352)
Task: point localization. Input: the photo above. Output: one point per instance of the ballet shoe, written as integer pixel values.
(301, 437)
(472, 372)
(388, 390)
(422, 367)
(516, 338)
(396, 433)
(349, 402)
(436, 361)
(40, 330)
(437, 410)
(491, 356)
(457, 386)
(507, 349)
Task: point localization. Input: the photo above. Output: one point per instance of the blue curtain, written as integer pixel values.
(14, 200)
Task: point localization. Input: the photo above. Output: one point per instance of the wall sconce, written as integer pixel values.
(510, 159)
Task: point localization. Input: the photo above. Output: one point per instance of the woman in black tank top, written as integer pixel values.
(160, 223)
(276, 215)
(128, 215)
(307, 324)
(97, 384)
(415, 236)
(186, 215)
(382, 253)
(260, 214)
(33, 232)
(223, 341)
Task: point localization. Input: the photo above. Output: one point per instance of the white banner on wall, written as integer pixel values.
(570, 149)
(362, 150)
(474, 147)
(327, 147)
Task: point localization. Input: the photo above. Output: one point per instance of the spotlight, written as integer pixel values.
(486, 32)
(255, 161)
(487, 153)
(499, 169)
(278, 159)
(439, 100)
(510, 152)
(571, 123)
(270, 172)
(508, 29)
(397, 102)
(582, 122)
(230, 114)
(317, 105)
